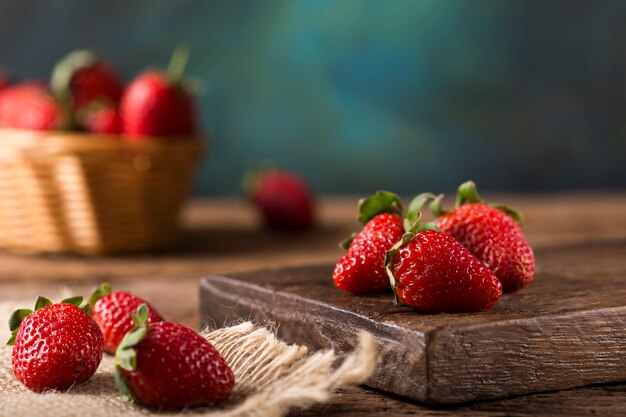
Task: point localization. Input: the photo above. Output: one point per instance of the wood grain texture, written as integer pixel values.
(567, 329)
(223, 236)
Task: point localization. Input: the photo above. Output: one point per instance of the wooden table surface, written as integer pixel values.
(223, 236)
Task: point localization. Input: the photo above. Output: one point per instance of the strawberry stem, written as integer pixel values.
(414, 211)
(178, 63)
(435, 206)
(467, 194)
(61, 80)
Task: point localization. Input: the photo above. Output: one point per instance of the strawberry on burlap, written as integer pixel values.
(271, 378)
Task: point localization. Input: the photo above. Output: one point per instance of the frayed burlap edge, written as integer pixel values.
(272, 378)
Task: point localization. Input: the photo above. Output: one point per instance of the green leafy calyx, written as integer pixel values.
(381, 202)
(101, 291)
(126, 355)
(42, 302)
(62, 75)
(413, 213)
(467, 194)
(412, 226)
(15, 321)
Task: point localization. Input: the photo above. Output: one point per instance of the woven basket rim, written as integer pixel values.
(63, 142)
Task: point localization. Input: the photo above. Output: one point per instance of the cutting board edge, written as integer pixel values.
(291, 331)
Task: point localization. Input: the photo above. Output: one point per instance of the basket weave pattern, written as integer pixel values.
(76, 193)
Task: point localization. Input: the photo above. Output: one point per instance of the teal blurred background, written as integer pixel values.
(358, 95)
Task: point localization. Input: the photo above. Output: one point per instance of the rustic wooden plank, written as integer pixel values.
(222, 235)
(567, 329)
(606, 400)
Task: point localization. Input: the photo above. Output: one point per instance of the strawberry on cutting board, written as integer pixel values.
(169, 366)
(283, 199)
(30, 106)
(362, 269)
(111, 311)
(492, 233)
(55, 346)
(433, 272)
(158, 103)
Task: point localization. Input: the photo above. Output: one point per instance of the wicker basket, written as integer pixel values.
(89, 194)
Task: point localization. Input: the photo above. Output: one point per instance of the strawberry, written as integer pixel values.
(55, 346)
(283, 199)
(30, 106)
(98, 117)
(111, 311)
(492, 234)
(82, 78)
(433, 272)
(169, 366)
(362, 269)
(159, 104)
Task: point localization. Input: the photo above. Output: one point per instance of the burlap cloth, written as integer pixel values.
(272, 377)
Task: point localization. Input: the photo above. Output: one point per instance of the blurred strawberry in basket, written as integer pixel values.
(283, 199)
(30, 106)
(158, 103)
(99, 117)
(82, 78)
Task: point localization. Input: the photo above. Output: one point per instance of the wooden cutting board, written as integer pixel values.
(567, 329)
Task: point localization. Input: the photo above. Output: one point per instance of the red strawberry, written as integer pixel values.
(55, 346)
(159, 104)
(492, 234)
(283, 199)
(362, 268)
(432, 272)
(169, 366)
(83, 78)
(112, 313)
(29, 106)
(100, 118)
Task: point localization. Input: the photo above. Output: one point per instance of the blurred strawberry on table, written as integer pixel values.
(160, 103)
(283, 199)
